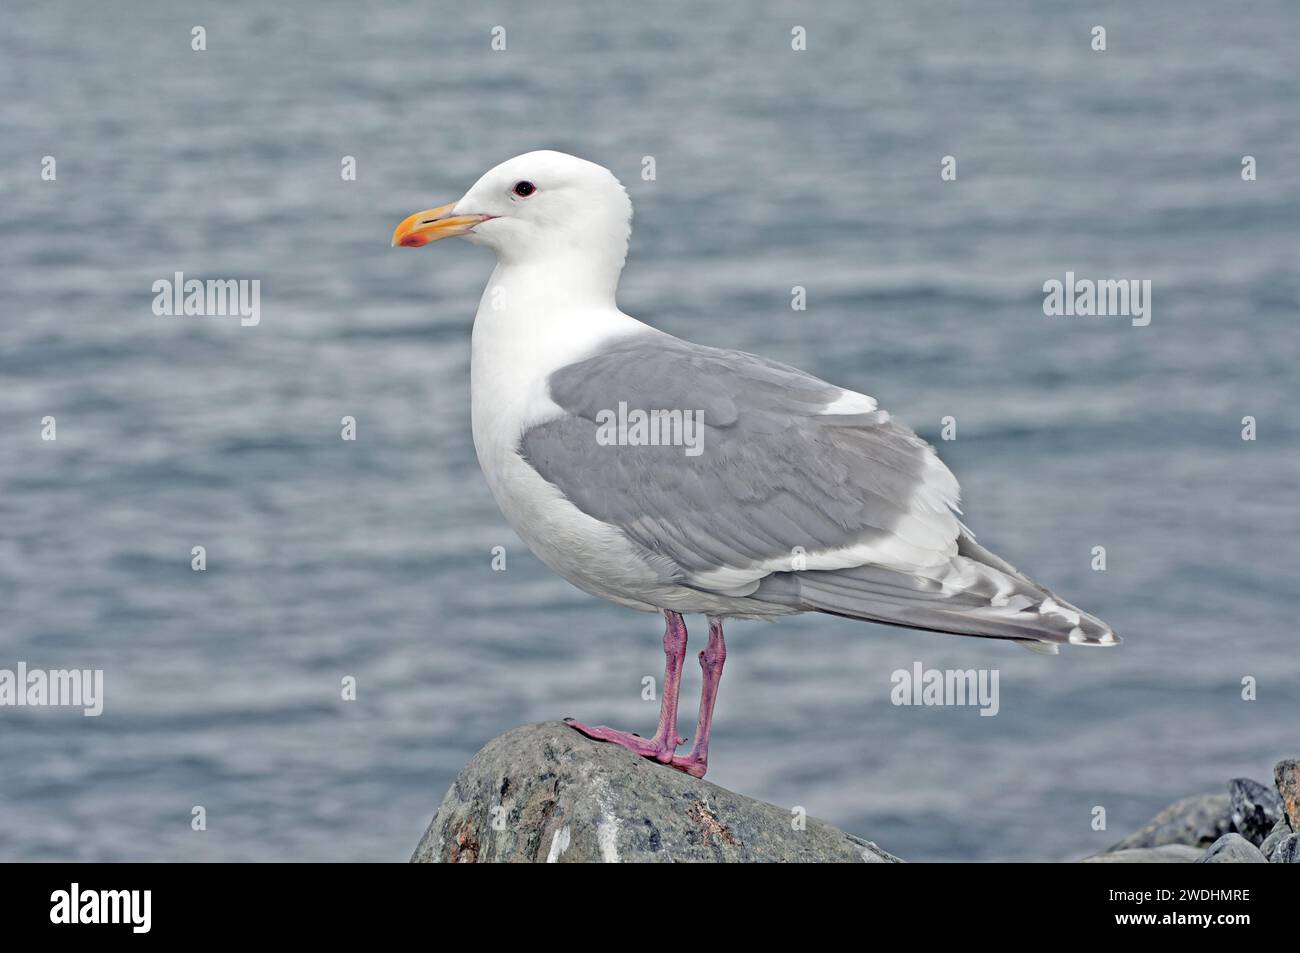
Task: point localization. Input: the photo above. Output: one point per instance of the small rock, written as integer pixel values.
(1279, 831)
(1255, 809)
(1165, 854)
(1287, 775)
(1287, 851)
(1232, 849)
(544, 793)
(1198, 820)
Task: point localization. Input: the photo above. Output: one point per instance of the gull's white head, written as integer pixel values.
(536, 208)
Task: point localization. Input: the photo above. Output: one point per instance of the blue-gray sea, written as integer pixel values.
(774, 168)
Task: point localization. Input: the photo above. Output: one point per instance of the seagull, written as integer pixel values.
(672, 477)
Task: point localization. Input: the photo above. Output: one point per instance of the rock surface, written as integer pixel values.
(544, 793)
(1232, 849)
(1198, 820)
(1165, 854)
(1255, 809)
(1287, 851)
(1275, 837)
(1286, 775)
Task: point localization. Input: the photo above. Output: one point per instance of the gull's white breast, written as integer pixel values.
(515, 348)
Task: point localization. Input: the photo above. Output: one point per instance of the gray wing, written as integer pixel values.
(774, 478)
(799, 493)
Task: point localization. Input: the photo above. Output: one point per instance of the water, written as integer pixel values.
(372, 559)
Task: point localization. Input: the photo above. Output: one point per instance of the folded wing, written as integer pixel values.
(768, 483)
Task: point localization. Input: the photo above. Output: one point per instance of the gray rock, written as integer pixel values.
(1198, 820)
(1255, 809)
(1286, 774)
(1165, 854)
(1232, 849)
(1287, 851)
(1280, 830)
(546, 793)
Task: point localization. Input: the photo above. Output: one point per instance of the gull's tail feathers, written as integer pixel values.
(976, 593)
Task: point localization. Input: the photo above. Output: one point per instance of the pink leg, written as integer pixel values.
(712, 659)
(664, 744)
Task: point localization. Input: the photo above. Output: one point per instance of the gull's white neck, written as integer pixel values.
(560, 281)
(532, 320)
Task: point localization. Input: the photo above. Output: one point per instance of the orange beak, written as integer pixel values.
(433, 224)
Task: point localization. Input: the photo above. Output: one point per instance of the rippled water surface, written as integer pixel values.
(774, 169)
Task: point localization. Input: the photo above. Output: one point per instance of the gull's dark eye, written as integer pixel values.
(524, 189)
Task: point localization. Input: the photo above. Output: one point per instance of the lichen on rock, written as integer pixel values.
(544, 793)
